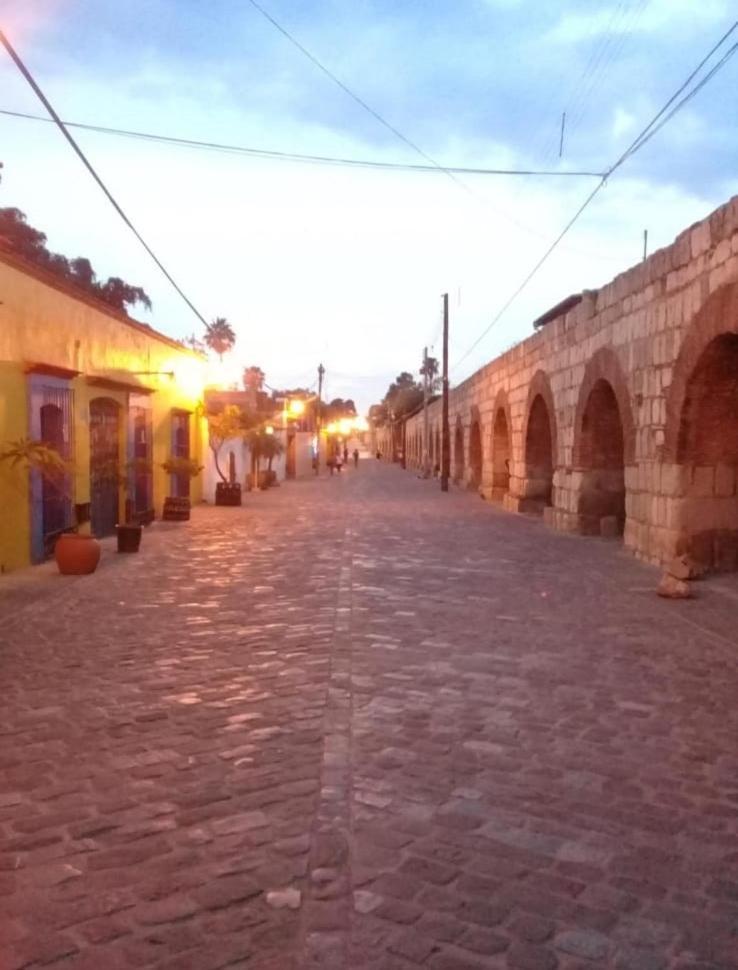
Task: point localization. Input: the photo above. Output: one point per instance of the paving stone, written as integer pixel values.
(583, 943)
(527, 956)
(364, 691)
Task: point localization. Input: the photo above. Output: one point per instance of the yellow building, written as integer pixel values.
(102, 389)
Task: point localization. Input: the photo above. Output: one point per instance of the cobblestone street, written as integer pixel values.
(361, 725)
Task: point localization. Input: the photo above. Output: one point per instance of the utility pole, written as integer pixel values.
(561, 138)
(645, 244)
(445, 436)
(426, 446)
(321, 372)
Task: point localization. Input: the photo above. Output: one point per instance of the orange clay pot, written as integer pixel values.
(76, 555)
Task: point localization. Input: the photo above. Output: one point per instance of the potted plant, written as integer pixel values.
(75, 553)
(130, 531)
(177, 508)
(262, 444)
(222, 426)
(271, 448)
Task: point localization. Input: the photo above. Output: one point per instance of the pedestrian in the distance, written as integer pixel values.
(339, 461)
(356, 457)
(345, 454)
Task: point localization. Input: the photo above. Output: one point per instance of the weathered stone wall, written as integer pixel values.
(620, 415)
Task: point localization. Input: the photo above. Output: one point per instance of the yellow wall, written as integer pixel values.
(42, 322)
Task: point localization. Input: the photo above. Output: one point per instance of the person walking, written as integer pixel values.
(356, 457)
(345, 454)
(339, 461)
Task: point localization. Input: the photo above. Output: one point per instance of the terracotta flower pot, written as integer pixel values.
(76, 555)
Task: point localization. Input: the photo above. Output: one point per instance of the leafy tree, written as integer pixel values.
(30, 243)
(119, 294)
(228, 423)
(220, 336)
(403, 395)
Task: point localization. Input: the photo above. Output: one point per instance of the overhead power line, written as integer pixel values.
(355, 97)
(656, 123)
(83, 158)
(292, 156)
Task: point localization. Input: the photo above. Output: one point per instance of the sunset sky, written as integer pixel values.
(343, 265)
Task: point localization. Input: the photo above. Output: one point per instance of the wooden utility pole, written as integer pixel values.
(426, 446)
(561, 137)
(645, 244)
(445, 436)
(318, 421)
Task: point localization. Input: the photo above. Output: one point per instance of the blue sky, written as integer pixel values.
(347, 266)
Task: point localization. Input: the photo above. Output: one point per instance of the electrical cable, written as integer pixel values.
(294, 156)
(83, 158)
(648, 132)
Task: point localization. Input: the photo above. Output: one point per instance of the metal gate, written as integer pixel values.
(141, 475)
(50, 415)
(104, 465)
(180, 449)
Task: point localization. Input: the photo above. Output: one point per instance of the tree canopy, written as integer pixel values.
(403, 395)
(30, 243)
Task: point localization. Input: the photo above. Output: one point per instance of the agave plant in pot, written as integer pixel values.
(182, 471)
(76, 553)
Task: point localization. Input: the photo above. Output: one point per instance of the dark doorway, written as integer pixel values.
(500, 456)
(475, 455)
(538, 457)
(602, 459)
(708, 447)
(459, 454)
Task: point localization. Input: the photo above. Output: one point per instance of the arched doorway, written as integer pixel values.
(708, 447)
(538, 456)
(475, 454)
(459, 453)
(500, 455)
(601, 455)
(105, 468)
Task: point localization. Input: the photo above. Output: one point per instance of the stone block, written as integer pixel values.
(724, 481)
(674, 589)
(700, 239)
(673, 479)
(703, 481)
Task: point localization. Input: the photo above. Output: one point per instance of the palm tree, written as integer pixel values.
(220, 336)
(253, 379)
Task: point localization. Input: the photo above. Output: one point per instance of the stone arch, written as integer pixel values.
(459, 451)
(540, 444)
(605, 366)
(475, 449)
(501, 447)
(604, 443)
(701, 439)
(717, 316)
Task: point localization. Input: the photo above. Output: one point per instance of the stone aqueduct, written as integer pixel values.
(620, 414)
